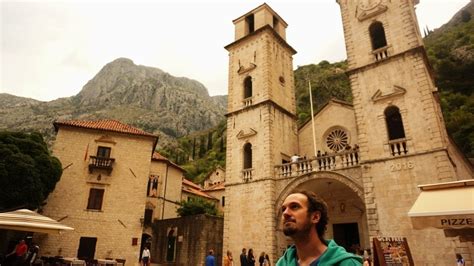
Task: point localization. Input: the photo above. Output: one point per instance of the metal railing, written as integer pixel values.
(100, 163)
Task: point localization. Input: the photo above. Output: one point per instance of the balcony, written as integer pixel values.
(398, 147)
(247, 174)
(247, 101)
(329, 162)
(103, 163)
(381, 53)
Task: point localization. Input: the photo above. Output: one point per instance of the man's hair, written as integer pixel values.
(317, 204)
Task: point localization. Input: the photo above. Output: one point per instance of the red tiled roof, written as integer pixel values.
(158, 157)
(193, 188)
(215, 187)
(190, 183)
(104, 124)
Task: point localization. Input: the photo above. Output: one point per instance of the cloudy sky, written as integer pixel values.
(50, 49)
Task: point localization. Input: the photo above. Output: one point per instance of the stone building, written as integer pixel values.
(214, 185)
(370, 156)
(113, 185)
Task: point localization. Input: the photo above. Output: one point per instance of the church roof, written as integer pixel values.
(331, 101)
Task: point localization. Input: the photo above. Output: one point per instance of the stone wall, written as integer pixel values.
(195, 235)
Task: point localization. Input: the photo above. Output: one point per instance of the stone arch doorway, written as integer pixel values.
(344, 196)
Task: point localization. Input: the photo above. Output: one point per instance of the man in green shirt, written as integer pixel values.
(304, 219)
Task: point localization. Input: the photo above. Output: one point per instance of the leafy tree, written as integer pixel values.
(196, 206)
(28, 173)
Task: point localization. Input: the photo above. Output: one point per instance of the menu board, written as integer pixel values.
(392, 251)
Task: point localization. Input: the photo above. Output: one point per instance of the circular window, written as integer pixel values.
(337, 139)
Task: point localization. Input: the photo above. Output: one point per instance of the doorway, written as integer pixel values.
(87, 248)
(347, 236)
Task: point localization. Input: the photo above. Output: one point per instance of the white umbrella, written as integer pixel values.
(30, 221)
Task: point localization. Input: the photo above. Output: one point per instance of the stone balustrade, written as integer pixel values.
(247, 101)
(380, 53)
(398, 147)
(247, 174)
(329, 162)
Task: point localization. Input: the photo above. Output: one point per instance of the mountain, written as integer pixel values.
(142, 96)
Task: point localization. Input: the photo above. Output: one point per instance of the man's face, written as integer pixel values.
(295, 217)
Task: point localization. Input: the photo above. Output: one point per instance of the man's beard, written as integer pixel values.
(291, 231)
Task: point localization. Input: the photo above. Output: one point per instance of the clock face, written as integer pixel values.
(368, 4)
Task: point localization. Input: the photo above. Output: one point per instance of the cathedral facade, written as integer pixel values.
(370, 155)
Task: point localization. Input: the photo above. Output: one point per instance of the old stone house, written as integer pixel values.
(368, 157)
(113, 186)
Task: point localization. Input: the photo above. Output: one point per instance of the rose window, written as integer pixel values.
(337, 140)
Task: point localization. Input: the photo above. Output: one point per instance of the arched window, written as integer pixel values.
(247, 87)
(394, 123)
(247, 156)
(377, 35)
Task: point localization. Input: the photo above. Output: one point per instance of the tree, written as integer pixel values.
(196, 206)
(28, 173)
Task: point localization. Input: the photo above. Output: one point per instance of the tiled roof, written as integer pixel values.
(192, 188)
(191, 184)
(219, 186)
(158, 157)
(105, 124)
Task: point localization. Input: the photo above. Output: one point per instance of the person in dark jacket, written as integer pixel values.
(304, 219)
(261, 259)
(250, 258)
(243, 257)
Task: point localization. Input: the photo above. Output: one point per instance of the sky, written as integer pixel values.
(50, 49)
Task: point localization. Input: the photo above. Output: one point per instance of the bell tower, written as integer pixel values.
(401, 133)
(261, 127)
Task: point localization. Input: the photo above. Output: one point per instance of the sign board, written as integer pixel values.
(392, 251)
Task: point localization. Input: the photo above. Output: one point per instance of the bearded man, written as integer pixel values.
(304, 219)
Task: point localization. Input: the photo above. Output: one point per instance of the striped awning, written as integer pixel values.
(30, 221)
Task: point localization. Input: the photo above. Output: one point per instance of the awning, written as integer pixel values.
(444, 205)
(30, 221)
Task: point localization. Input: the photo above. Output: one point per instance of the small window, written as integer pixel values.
(103, 152)
(247, 87)
(377, 35)
(394, 123)
(148, 216)
(96, 196)
(250, 23)
(247, 156)
(275, 22)
(223, 201)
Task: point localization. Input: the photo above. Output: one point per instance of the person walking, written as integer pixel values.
(146, 256)
(243, 257)
(304, 219)
(228, 259)
(250, 258)
(261, 259)
(460, 260)
(210, 260)
(266, 262)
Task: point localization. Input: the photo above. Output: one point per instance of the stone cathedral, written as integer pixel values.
(373, 153)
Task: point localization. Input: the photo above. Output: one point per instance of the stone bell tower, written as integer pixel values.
(261, 128)
(401, 133)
